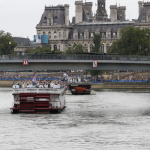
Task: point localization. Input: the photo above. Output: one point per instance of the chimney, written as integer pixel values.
(140, 6)
(113, 13)
(79, 11)
(67, 15)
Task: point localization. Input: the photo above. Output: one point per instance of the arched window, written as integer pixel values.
(69, 47)
(86, 35)
(86, 48)
(44, 33)
(55, 47)
(50, 21)
(49, 34)
(81, 35)
(91, 47)
(55, 35)
(148, 18)
(59, 34)
(64, 34)
(144, 18)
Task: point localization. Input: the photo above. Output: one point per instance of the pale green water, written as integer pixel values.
(110, 120)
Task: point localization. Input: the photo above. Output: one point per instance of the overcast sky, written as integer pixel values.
(20, 17)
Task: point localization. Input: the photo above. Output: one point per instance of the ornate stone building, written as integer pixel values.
(63, 33)
(22, 44)
(143, 20)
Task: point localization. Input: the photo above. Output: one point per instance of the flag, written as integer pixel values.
(34, 80)
(65, 74)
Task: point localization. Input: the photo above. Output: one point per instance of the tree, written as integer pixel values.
(76, 48)
(7, 44)
(57, 51)
(97, 43)
(47, 49)
(96, 73)
(133, 41)
(69, 51)
(39, 50)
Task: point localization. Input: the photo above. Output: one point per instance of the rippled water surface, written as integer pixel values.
(109, 120)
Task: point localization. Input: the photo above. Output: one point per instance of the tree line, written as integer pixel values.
(133, 41)
(7, 44)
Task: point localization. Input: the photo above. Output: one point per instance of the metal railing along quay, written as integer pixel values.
(74, 57)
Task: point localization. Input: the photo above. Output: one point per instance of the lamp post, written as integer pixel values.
(103, 47)
(9, 47)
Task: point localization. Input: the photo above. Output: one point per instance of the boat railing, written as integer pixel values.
(38, 90)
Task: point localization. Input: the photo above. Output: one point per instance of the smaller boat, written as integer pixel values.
(79, 88)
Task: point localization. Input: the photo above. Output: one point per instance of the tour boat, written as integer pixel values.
(38, 100)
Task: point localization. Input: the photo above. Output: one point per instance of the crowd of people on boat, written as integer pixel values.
(46, 84)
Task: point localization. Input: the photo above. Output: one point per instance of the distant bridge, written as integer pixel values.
(74, 62)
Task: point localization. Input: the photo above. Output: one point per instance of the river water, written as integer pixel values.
(109, 120)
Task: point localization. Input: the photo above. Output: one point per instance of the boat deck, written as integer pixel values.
(38, 90)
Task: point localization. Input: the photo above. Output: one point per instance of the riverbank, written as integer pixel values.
(106, 85)
(111, 85)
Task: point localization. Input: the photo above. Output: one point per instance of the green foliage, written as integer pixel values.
(97, 43)
(69, 51)
(57, 51)
(39, 50)
(5, 47)
(76, 48)
(133, 41)
(96, 73)
(47, 49)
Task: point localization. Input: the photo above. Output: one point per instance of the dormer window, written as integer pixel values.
(45, 18)
(144, 18)
(81, 35)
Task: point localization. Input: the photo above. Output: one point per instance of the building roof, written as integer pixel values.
(106, 23)
(22, 41)
(102, 27)
(57, 12)
(144, 10)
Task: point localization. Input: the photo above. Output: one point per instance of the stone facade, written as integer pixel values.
(22, 44)
(63, 34)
